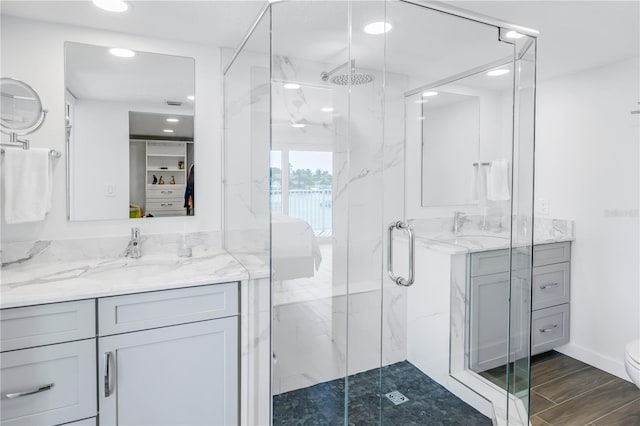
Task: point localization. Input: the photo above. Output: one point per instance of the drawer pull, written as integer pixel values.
(546, 286)
(31, 392)
(166, 192)
(167, 204)
(548, 329)
(108, 389)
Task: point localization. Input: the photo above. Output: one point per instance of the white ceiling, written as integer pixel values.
(574, 35)
(218, 23)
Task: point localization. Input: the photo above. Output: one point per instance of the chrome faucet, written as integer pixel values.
(133, 249)
(459, 219)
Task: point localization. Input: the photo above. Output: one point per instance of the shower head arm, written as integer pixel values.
(326, 74)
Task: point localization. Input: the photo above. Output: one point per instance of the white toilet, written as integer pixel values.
(632, 361)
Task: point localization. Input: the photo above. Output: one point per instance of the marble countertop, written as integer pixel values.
(471, 239)
(48, 277)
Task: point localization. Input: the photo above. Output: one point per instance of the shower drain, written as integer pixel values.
(396, 397)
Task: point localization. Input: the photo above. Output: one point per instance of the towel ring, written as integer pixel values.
(22, 110)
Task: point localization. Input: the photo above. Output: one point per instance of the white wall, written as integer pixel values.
(587, 167)
(34, 52)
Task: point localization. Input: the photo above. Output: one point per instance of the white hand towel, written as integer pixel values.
(498, 181)
(28, 184)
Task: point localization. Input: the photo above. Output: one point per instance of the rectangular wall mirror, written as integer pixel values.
(130, 133)
(465, 134)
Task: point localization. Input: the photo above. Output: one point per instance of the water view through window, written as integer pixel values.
(304, 189)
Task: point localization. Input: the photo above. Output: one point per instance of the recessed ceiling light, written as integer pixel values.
(168, 130)
(500, 71)
(326, 109)
(298, 125)
(291, 86)
(420, 118)
(122, 53)
(513, 34)
(429, 94)
(422, 101)
(111, 5)
(172, 120)
(376, 28)
(191, 97)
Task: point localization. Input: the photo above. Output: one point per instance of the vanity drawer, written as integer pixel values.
(550, 285)
(549, 328)
(547, 254)
(46, 324)
(122, 314)
(62, 378)
(168, 204)
(497, 261)
(167, 191)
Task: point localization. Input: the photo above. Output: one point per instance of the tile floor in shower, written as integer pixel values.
(428, 402)
(567, 392)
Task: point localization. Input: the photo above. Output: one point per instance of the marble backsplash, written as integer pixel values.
(39, 252)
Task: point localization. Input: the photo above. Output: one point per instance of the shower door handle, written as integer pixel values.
(399, 280)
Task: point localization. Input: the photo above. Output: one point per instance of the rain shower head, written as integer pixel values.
(354, 78)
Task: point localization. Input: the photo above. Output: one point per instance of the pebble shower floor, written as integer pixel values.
(428, 402)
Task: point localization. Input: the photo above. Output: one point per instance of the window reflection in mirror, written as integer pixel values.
(130, 121)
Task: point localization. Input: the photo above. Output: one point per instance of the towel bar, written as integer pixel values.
(53, 153)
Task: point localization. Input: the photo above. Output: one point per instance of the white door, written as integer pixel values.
(180, 375)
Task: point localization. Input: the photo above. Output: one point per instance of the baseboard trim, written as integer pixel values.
(603, 362)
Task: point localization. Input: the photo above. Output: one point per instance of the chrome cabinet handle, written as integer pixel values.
(166, 192)
(546, 286)
(399, 280)
(548, 329)
(31, 392)
(106, 359)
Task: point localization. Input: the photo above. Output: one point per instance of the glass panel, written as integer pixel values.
(366, 213)
(524, 225)
(309, 127)
(246, 222)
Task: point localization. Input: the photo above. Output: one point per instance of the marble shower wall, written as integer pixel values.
(326, 338)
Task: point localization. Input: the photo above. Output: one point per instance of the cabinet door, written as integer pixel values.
(490, 314)
(179, 375)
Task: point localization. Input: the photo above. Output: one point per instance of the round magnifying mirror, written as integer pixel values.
(20, 107)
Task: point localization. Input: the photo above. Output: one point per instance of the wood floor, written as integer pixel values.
(567, 392)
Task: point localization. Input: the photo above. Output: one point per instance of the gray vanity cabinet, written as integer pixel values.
(489, 308)
(173, 359)
(165, 357)
(179, 375)
(47, 364)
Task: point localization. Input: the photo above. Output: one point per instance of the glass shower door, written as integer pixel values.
(468, 187)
